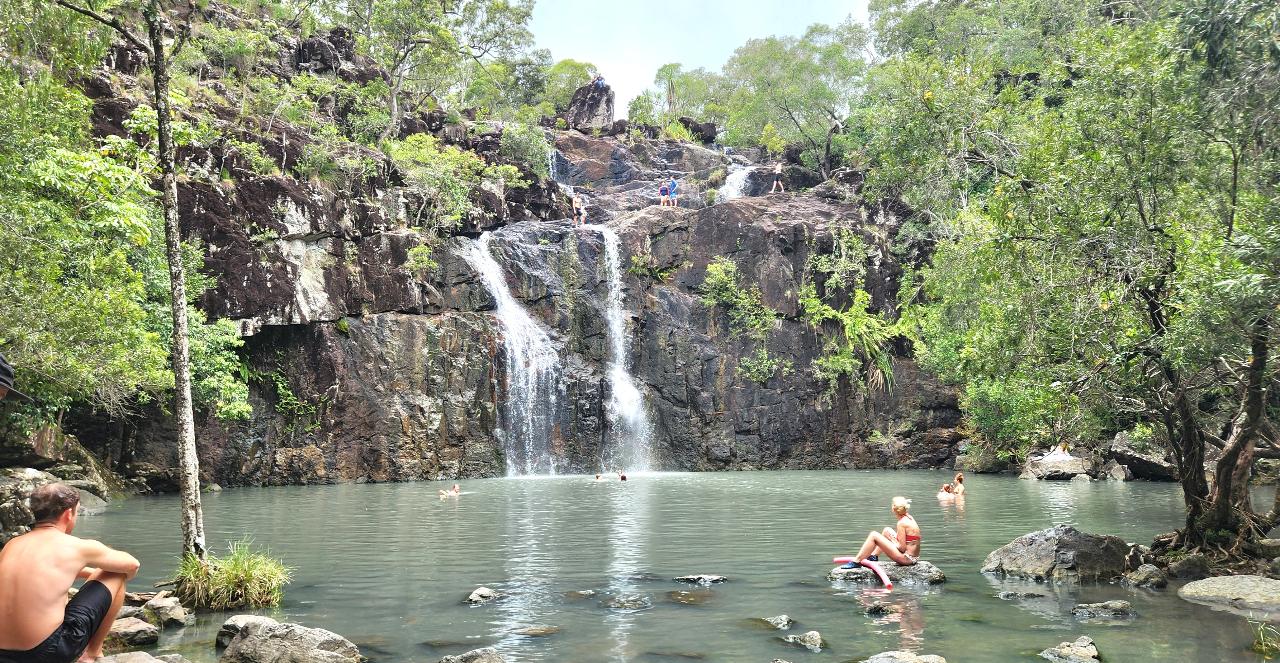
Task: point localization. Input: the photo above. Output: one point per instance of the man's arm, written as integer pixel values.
(97, 554)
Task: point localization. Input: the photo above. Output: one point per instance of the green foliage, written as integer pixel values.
(252, 153)
(645, 109)
(646, 267)
(760, 366)
(236, 51)
(1266, 638)
(420, 259)
(677, 131)
(442, 178)
(749, 317)
(316, 164)
(527, 145)
(862, 348)
(241, 579)
(564, 78)
(772, 140)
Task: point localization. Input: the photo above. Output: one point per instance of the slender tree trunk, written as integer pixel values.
(193, 541)
(1230, 500)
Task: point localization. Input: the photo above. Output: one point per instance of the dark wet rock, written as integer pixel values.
(1104, 610)
(482, 595)
(486, 655)
(237, 624)
(537, 631)
(1082, 650)
(703, 132)
(1191, 567)
(1146, 461)
(701, 579)
(1012, 596)
(1058, 470)
(922, 572)
(780, 622)
(880, 609)
(1267, 548)
(689, 598)
(1266, 471)
(628, 602)
(1137, 556)
(1242, 594)
(1147, 576)
(591, 108)
(269, 641)
(904, 657)
(1059, 554)
(811, 640)
(132, 632)
(1113, 471)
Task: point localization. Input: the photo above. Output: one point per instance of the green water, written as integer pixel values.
(388, 566)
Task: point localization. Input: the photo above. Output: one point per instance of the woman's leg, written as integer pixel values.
(879, 543)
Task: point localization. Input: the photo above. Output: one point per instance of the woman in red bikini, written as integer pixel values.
(902, 545)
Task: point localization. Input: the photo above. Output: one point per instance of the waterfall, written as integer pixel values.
(557, 175)
(632, 437)
(735, 185)
(528, 410)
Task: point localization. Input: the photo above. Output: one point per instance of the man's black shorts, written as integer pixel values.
(85, 612)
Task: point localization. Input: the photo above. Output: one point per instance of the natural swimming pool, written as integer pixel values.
(388, 566)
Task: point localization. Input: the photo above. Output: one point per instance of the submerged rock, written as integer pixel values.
(689, 598)
(268, 641)
(1241, 594)
(1081, 651)
(143, 657)
(880, 609)
(236, 624)
(580, 594)
(922, 572)
(486, 655)
(1059, 554)
(904, 657)
(1147, 576)
(1104, 610)
(811, 640)
(702, 579)
(628, 602)
(537, 631)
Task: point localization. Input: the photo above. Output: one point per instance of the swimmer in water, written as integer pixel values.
(455, 491)
(946, 492)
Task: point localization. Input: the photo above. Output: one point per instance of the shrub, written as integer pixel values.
(771, 139)
(1266, 638)
(316, 163)
(241, 579)
(677, 131)
(760, 367)
(527, 145)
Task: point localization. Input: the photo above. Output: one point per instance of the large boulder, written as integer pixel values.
(167, 611)
(1058, 469)
(1144, 460)
(269, 641)
(236, 624)
(920, 573)
(131, 632)
(703, 132)
(1060, 553)
(591, 108)
(1253, 595)
(1147, 576)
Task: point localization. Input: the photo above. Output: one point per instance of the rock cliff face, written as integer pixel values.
(591, 107)
(365, 370)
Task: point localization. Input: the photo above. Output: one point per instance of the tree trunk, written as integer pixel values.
(188, 464)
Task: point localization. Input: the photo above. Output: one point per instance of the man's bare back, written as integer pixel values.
(36, 570)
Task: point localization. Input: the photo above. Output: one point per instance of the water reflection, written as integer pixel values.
(629, 503)
(530, 569)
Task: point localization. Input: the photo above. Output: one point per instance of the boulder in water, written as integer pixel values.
(628, 602)
(1058, 469)
(1145, 461)
(1243, 594)
(486, 655)
(1060, 553)
(697, 597)
(921, 573)
(702, 579)
(143, 657)
(811, 640)
(1191, 567)
(904, 657)
(591, 108)
(1113, 471)
(537, 631)
(780, 622)
(235, 624)
(167, 611)
(1147, 576)
(268, 641)
(1081, 651)
(132, 632)
(482, 595)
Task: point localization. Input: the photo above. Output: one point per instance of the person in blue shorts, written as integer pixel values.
(671, 189)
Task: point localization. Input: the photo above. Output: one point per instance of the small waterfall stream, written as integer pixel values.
(528, 410)
(630, 447)
(735, 185)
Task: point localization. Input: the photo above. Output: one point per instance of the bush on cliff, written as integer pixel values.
(242, 578)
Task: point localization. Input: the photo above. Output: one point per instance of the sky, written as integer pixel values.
(628, 40)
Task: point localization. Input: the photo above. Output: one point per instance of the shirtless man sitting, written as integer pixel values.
(37, 622)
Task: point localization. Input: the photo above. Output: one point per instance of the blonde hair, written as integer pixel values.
(959, 477)
(900, 505)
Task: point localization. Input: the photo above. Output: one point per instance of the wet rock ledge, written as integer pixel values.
(921, 573)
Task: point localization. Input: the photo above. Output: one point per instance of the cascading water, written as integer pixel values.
(630, 446)
(735, 185)
(528, 409)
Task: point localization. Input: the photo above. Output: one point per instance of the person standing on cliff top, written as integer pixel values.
(777, 179)
(671, 190)
(37, 622)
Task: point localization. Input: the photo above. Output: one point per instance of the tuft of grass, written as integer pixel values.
(243, 578)
(1266, 638)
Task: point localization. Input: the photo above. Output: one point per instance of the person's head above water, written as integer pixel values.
(900, 505)
(54, 502)
(946, 488)
(959, 477)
